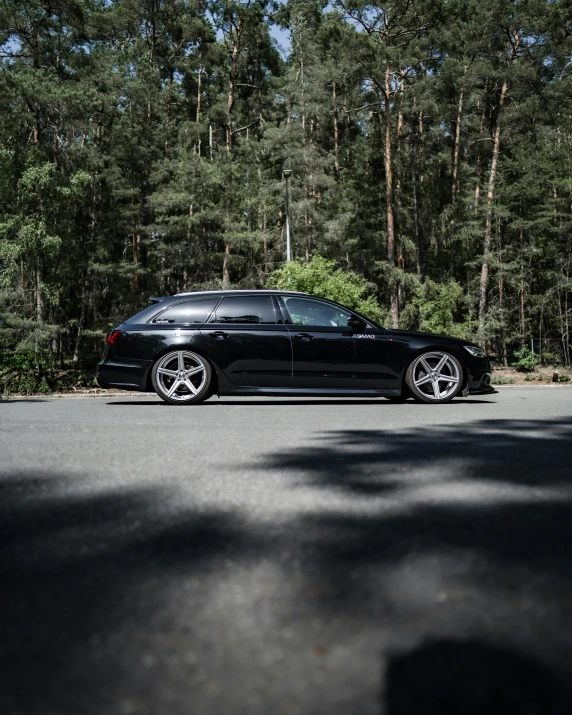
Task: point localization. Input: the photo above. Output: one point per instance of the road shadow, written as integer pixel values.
(290, 402)
(448, 677)
(10, 401)
(458, 532)
(448, 527)
(141, 403)
(78, 568)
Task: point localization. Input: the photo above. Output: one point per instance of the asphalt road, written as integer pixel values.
(266, 556)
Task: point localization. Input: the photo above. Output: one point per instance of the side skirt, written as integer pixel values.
(308, 392)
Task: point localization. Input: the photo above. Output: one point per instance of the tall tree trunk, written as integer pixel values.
(199, 93)
(416, 228)
(455, 168)
(418, 180)
(489, 218)
(479, 170)
(336, 131)
(225, 270)
(231, 87)
(197, 144)
(83, 316)
(393, 290)
(521, 301)
(502, 332)
(567, 317)
(229, 106)
(39, 296)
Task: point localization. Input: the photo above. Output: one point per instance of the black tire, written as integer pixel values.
(164, 377)
(425, 369)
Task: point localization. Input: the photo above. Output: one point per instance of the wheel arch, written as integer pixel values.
(191, 348)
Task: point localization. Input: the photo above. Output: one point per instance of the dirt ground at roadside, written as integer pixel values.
(541, 376)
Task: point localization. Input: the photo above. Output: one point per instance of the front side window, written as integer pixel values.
(306, 312)
(196, 311)
(248, 309)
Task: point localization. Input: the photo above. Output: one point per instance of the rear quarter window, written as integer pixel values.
(188, 313)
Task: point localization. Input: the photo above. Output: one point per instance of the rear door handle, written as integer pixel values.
(219, 335)
(304, 337)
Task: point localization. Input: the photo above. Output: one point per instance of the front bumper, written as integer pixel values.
(483, 390)
(478, 377)
(123, 374)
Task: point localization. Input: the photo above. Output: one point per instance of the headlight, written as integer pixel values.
(475, 351)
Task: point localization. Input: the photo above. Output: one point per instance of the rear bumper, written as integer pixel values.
(123, 374)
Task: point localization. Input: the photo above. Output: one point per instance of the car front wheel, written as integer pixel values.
(434, 377)
(182, 377)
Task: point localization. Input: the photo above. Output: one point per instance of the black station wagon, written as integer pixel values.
(189, 346)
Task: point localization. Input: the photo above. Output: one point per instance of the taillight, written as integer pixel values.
(113, 337)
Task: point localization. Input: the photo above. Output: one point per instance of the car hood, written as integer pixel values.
(432, 336)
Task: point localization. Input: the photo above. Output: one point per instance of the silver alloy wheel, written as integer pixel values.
(181, 375)
(436, 375)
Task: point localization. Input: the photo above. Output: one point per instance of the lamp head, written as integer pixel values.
(287, 173)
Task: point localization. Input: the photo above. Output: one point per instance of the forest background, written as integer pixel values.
(142, 145)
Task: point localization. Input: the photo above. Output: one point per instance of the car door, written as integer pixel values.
(248, 340)
(323, 346)
(371, 358)
(328, 353)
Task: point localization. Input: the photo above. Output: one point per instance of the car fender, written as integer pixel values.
(194, 343)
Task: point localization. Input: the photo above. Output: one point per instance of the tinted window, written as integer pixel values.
(308, 312)
(247, 309)
(196, 311)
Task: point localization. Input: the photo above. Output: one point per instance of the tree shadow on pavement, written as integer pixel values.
(447, 677)
(456, 534)
(444, 531)
(78, 567)
(501, 489)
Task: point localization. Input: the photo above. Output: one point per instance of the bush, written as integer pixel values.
(501, 380)
(324, 278)
(552, 358)
(526, 360)
(29, 373)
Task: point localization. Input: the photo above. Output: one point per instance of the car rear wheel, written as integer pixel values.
(434, 377)
(182, 377)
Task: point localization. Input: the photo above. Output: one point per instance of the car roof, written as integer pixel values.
(239, 291)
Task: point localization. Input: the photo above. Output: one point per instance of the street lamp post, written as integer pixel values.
(287, 174)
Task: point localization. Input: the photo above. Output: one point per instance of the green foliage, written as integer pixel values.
(438, 305)
(142, 148)
(525, 359)
(28, 373)
(497, 379)
(323, 278)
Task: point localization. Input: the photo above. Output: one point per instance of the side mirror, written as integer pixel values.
(356, 323)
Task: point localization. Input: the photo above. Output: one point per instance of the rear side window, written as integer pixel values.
(247, 309)
(196, 311)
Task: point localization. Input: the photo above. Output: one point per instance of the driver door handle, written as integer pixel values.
(219, 335)
(304, 337)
